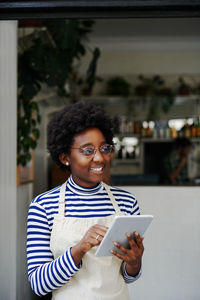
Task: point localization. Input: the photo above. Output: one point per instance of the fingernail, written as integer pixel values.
(128, 234)
(115, 243)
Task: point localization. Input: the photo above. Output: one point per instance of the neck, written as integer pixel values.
(83, 188)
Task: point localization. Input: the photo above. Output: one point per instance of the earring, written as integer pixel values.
(67, 163)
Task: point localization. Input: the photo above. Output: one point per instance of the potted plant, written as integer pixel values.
(117, 86)
(154, 91)
(184, 88)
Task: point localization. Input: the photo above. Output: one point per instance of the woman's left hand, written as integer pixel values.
(132, 256)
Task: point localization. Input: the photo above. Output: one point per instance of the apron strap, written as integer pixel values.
(114, 202)
(61, 203)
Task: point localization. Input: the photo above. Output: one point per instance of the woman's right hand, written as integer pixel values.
(92, 238)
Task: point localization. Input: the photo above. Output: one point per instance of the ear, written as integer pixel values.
(64, 158)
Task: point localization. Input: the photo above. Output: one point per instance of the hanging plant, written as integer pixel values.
(184, 89)
(149, 86)
(158, 94)
(118, 86)
(47, 56)
(83, 85)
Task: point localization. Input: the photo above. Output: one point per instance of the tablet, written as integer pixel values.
(117, 232)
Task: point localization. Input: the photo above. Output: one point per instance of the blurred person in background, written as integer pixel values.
(175, 164)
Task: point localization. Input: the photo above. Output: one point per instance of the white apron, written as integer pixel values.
(99, 278)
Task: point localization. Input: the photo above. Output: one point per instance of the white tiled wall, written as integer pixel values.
(171, 264)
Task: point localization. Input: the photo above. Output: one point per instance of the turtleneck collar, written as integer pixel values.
(80, 190)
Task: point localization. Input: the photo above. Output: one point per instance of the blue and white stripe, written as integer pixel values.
(45, 273)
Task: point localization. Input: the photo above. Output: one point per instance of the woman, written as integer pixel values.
(176, 162)
(66, 224)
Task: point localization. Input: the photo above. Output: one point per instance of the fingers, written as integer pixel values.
(136, 244)
(138, 240)
(94, 236)
(99, 229)
(95, 240)
(120, 247)
(98, 238)
(98, 232)
(119, 255)
(130, 240)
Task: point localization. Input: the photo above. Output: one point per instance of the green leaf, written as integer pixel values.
(38, 118)
(34, 106)
(33, 144)
(36, 133)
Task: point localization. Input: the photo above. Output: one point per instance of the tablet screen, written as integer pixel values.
(117, 232)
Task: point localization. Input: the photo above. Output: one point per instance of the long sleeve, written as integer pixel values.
(45, 273)
(128, 278)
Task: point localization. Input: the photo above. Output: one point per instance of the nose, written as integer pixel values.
(98, 156)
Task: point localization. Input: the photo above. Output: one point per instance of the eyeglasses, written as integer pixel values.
(90, 150)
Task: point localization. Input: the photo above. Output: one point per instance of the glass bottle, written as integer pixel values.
(194, 128)
(187, 132)
(198, 127)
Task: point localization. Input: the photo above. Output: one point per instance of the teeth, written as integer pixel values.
(96, 169)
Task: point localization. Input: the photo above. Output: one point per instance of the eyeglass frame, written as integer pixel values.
(81, 149)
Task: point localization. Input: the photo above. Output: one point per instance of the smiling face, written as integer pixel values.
(87, 171)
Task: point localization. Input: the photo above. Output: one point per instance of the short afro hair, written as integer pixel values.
(72, 120)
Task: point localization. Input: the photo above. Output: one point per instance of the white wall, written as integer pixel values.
(171, 265)
(168, 47)
(8, 104)
(24, 197)
(147, 62)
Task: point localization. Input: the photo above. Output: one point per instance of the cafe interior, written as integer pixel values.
(146, 76)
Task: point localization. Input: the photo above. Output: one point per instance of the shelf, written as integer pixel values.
(197, 140)
(166, 140)
(156, 140)
(122, 135)
(125, 161)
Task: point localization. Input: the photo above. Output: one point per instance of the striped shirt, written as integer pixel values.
(46, 273)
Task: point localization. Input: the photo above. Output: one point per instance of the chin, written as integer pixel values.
(96, 179)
